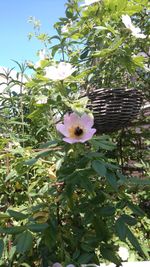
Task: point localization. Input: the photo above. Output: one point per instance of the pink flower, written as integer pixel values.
(61, 72)
(76, 129)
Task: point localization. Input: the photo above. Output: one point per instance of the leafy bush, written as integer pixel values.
(69, 199)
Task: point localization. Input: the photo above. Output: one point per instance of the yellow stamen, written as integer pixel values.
(75, 132)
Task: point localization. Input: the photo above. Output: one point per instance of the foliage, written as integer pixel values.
(75, 203)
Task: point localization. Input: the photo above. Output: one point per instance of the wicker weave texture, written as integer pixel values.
(114, 109)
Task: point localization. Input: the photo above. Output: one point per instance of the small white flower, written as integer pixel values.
(64, 29)
(123, 253)
(42, 56)
(61, 72)
(42, 100)
(136, 31)
(143, 54)
(90, 2)
(146, 68)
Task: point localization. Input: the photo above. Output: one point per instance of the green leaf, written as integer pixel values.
(101, 28)
(121, 204)
(4, 216)
(49, 144)
(103, 52)
(133, 240)
(39, 227)
(136, 210)
(138, 61)
(84, 53)
(1, 247)
(11, 175)
(69, 13)
(111, 179)
(137, 181)
(24, 242)
(107, 51)
(101, 229)
(17, 122)
(30, 162)
(121, 229)
(12, 230)
(122, 179)
(85, 258)
(86, 184)
(43, 154)
(12, 252)
(99, 167)
(17, 215)
(50, 234)
(94, 155)
(103, 142)
(107, 211)
(107, 145)
(129, 219)
(86, 247)
(109, 254)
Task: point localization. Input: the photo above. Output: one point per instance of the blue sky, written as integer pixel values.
(14, 27)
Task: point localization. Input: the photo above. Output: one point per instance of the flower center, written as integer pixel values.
(78, 131)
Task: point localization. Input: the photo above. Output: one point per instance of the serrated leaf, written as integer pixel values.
(102, 232)
(86, 183)
(103, 143)
(99, 167)
(111, 179)
(24, 242)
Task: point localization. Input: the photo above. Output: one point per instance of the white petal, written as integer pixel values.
(127, 21)
(51, 73)
(90, 2)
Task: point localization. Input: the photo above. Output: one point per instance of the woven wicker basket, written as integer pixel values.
(114, 109)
